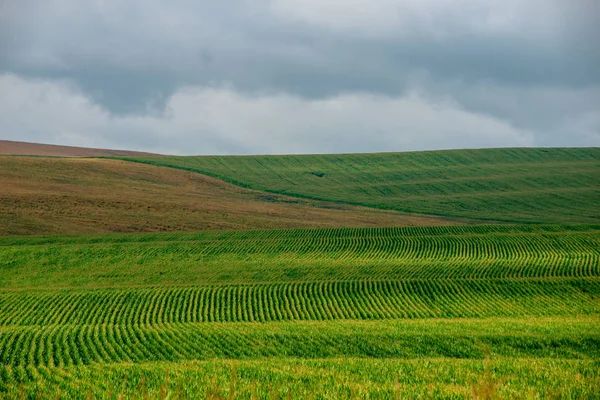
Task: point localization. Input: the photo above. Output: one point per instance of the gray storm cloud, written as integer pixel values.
(300, 76)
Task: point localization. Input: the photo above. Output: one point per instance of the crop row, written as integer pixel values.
(310, 258)
(64, 345)
(528, 185)
(383, 299)
(509, 247)
(313, 233)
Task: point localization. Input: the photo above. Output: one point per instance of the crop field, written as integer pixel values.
(377, 358)
(43, 195)
(510, 311)
(515, 185)
(505, 252)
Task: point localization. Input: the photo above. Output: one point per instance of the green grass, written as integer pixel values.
(560, 185)
(454, 312)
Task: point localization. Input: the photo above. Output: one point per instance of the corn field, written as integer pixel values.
(449, 312)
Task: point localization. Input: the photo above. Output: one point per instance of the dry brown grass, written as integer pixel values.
(79, 195)
(9, 147)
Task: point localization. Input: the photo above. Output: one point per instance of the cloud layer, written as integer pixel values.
(222, 121)
(290, 76)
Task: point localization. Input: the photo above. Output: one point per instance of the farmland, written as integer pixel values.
(453, 274)
(302, 255)
(293, 200)
(41, 195)
(537, 356)
(326, 313)
(514, 185)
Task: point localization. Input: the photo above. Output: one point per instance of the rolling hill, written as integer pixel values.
(558, 185)
(43, 195)
(349, 304)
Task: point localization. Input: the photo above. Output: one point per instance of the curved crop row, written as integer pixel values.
(317, 255)
(375, 299)
(66, 345)
(277, 234)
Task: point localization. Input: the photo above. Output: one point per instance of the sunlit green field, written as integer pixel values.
(430, 312)
(302, 378)
(517, 185)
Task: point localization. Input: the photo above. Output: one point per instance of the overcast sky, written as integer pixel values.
(300, 76)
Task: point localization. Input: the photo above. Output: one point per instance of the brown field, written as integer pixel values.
(8, 147)
(81, 195)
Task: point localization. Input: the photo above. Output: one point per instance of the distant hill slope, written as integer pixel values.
(40, 195)
(556, 185)
(8, 147)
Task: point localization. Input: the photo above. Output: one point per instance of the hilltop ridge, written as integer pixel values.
(10, 147)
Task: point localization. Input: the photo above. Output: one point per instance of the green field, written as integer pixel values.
(468, 311)
(440, 254)
(511, 311)
(515, 185)
(297, 378)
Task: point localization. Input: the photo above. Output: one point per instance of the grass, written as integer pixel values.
(410, 312)
(560, 185)
(58, 196)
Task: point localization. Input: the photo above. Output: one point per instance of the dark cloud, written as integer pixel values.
(501, 60)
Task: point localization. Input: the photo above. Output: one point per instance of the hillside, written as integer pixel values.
(559, 185)
(381, 312)
(9, 147)
(350, 304)
(82, 195)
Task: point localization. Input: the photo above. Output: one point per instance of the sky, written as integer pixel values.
(191, 77)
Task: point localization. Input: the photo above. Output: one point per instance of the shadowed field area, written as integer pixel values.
(515, 185)
(83, 195)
